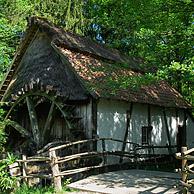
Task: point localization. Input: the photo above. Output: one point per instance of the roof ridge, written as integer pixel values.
(84, 44)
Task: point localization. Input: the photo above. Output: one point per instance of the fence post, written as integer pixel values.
(24, 168)
(135, 156)
(183, 169)
(104, 149)
(55, 170)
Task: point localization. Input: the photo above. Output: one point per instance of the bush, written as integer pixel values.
(3, 136)
(7, 182)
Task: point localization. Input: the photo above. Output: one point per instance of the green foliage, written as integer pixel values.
(25, 189)
(68, 14)
(8, 40)
(160, 32)
(130, 82)
(7, 182)
(3, 136)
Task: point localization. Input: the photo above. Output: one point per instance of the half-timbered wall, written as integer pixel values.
(111, 119)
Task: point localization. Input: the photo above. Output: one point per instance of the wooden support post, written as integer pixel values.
(183, 169)
(167, 131)
(48, 120)
(129, 113)
(184, 138)
(55, 170)
(135, 157)
(33, 120)
(24, 168)
(104, 150)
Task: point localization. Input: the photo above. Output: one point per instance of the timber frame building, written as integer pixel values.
(65, 87)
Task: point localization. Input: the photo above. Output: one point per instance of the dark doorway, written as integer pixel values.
(181, 137)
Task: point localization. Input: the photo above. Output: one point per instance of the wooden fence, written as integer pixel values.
(73, 158)
(186, 171)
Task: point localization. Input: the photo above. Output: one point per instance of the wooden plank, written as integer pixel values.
(48, 120)
(33, 120)
(167, 131)
(55, 171)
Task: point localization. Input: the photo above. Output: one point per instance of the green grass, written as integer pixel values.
(25, 189)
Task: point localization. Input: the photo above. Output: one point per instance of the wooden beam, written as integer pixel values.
(33, 121)
(94, 122)
(167, 130)
(55, 170)
(184, 138)
(48, 121)
(149, 116)
(129, 113)
(65, 115)
(19, 128)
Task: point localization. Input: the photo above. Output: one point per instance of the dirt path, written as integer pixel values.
(129, 182)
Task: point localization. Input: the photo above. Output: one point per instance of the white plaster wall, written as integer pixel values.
(111, 122)
(159, 135)
(139, 118)
(190, 132)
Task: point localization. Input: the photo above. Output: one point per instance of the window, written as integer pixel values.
(146, 134)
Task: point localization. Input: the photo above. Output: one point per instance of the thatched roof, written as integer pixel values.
(100, 70)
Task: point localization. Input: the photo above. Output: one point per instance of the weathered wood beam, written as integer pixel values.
(33, 120)
(184, 138)
(94, 121)
(55, 170)
(48, 120)
(149, 115)
(129, 113)
(167, 131)
(65, 115)
(19, 128)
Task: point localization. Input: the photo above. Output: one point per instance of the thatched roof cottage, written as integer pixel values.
(62, 86)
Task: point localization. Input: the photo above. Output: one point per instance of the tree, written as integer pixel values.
(161, 32)
(66, 13)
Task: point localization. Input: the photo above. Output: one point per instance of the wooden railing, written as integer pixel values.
(75, 157)
(186, 168)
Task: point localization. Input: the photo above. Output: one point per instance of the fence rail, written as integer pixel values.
(59, 162)
(186, 168)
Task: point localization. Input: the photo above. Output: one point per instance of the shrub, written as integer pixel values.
(7, 182)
